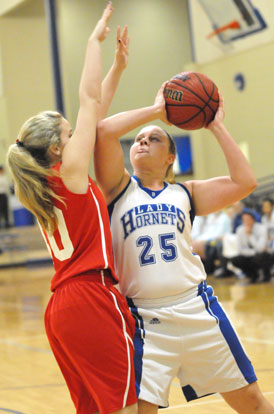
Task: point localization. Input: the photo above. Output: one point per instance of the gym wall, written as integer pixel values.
(160, 47)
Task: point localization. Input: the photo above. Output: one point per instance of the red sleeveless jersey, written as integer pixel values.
(82, 241)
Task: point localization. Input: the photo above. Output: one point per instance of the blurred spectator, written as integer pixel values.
(197, 227)
(252, 248)
(238, 208)
(268, 220)
(208, 244)
(4, 198)
(229, 246)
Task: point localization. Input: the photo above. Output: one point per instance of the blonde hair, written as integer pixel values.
(170, 177)
(29, 163)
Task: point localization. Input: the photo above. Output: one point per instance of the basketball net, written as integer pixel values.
(215, 41)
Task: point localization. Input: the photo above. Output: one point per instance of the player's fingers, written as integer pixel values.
(124, 34)
(164, 85)
(118, 34)
(106, 32)
(121, 43)
(221, 100)
(107, 12)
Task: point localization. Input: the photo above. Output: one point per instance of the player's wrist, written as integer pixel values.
(216, 127)
(118, 66)
(158, 110)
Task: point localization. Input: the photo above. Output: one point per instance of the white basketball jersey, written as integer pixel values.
(151, 232)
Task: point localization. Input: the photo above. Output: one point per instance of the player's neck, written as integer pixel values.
(148, 180)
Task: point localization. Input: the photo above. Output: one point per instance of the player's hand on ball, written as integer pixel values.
(220, 114)
(160, 104)
(191, 100)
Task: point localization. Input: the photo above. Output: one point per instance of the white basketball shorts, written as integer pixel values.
(190, 337)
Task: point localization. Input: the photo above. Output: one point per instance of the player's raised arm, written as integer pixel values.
(217, 193)
(77, 153)
(111, 80)
(110, 171)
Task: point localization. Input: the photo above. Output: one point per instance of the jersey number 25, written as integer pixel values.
(169, 250)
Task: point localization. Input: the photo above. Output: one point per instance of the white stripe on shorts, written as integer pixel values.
(127, 338)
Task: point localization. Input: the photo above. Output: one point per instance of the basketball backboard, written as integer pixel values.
(233, 19)
(224, 26)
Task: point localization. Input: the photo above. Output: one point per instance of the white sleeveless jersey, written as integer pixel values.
(151, 232)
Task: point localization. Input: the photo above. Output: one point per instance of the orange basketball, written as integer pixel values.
(192, 100)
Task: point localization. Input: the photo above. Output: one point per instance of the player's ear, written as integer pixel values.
(171, 158)
(54, 150)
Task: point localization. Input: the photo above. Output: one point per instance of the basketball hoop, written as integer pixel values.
(215, 40)
(232, 25)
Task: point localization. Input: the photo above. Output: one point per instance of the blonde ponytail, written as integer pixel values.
(29, 163)
(170, 177)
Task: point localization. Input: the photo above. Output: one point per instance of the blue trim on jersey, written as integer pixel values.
(215, 310)
(192, 209)
(201, 287)
(112, 204)
(138, 342)
(151, 193)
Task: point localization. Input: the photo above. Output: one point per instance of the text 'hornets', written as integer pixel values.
(152, 214)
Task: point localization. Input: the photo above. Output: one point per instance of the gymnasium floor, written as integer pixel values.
(30, 381)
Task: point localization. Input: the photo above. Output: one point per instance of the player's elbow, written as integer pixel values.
(253, 184)
(250, 185)
(101, 130)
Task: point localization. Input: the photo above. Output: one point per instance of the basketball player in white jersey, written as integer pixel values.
(181, 329)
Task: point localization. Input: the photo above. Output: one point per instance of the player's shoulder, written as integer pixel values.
(120, 198)
(184, 187)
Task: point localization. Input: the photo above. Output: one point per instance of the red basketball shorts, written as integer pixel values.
(90, 330)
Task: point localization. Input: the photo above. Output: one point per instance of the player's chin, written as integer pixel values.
(141, 154)
(140, 160)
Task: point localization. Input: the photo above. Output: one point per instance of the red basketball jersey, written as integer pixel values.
(82, 240)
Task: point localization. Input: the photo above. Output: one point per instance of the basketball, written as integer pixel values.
(192, 100)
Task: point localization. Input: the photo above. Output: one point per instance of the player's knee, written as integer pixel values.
(246, 400)
(255, 397)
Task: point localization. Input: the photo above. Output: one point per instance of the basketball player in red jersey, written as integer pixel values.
(88, 323)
